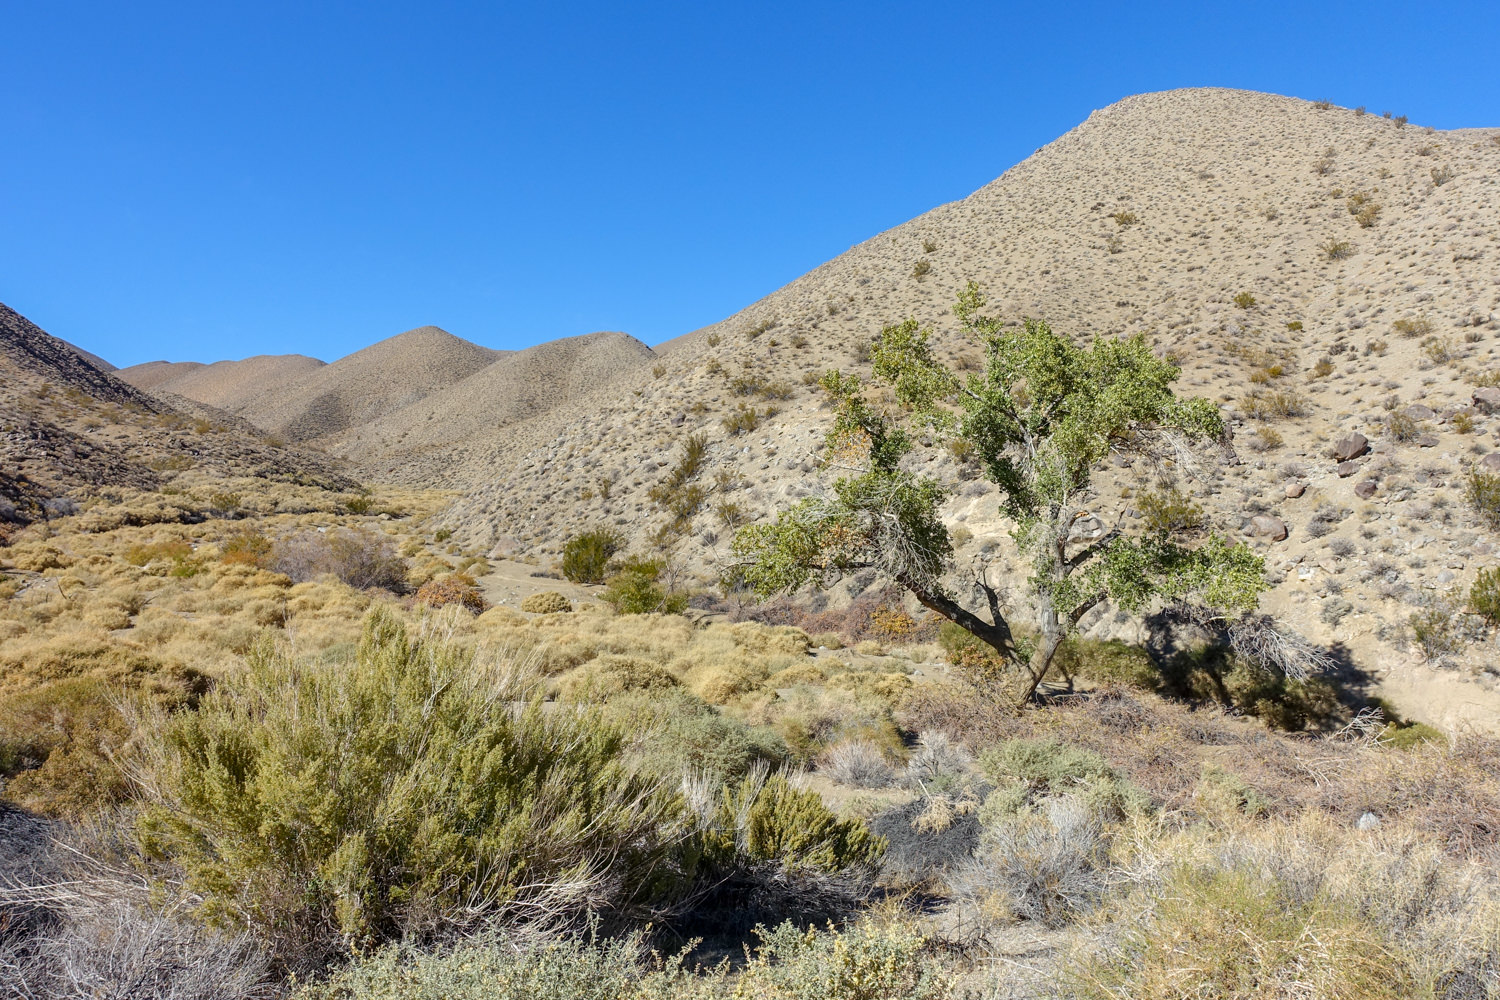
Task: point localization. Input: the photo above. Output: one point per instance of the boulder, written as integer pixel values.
(1347, 469)
(1365, 489)
(1428, 441)
(1295, 490)
(1487, 400)
(1266, 526)
(1490, 462)
(1419, 412)
(1350, 446)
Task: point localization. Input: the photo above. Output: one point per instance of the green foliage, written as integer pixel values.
(327, 802)
(1025, 771)
(635, 588)
(1211, 673)
(690, 735)
(1336, 249)
(1484, 595)
(1040, 415)
(761, 820)
(1482, 493)
(586, 557)
(887, 962)
(1244, 300)
(1169, 511)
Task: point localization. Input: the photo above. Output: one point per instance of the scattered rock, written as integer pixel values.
(1266, 526)
(1350, 446)
(1487, 400)
(1367, 821)
(1365, 489)
(1491, 462)
(1347, 469)
(1427, 441)
(1419, 412)
(1295, 490)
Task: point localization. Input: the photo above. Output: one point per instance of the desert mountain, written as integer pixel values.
(361, 387)
(227, 385)
(433, 441)
(70, 431)
(1315, 270)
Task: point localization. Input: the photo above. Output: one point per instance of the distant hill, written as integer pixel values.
(227, 385)
(432, 441)
(366, 385)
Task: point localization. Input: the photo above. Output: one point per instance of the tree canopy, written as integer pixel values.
(1039, 416)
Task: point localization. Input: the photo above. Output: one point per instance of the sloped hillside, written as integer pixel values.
(432, 441)
(70, 431)
(227, 385)
(366, 385)
(1315, 270)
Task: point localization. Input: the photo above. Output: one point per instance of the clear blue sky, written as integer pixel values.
(208, 180)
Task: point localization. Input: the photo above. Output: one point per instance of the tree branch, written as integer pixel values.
(997, 636)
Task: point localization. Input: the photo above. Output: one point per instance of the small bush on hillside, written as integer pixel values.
(635, 588)
(1169, 511)
(456, 588)
(1336, 249)
(586, 557)
(1047, 865)
(1244, 300)
(329, 805)
(548, 602)
(858, 764)
(1272, 405)
(357, 556)
(1484, 596)
(1482, 493)
(1124, 219)
(246, 548)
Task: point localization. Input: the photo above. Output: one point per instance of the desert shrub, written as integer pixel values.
(1244, 300)
(1482, 493)
(635, 588)
(548, 602)
(921, 269)
(761, 846)
(586, 557)
(103, 947)
(1213, 673)
(1123, 219)
(1462, 423)
(246, 548)
(1402, 426)
(1169, 511)
(359, 504)
(332, 804)
(1237, 933)
(684, 733)
(743, 420)
(1108, 661)
(612, 674)
(1273, 404)
(858, 764)
(1432, 628)
(1336, 249)
(173, 556)
(1419, 326)
(1484, 595)
(917, 849)
(1046, 864)
(865, 962)
(455, 588)
(1441, 175)
(357, 556)
(1322, 369)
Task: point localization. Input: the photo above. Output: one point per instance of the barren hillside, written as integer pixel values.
(366, 385)
(1337, 265)
(70, 432)
(432, 441)
(227, 385)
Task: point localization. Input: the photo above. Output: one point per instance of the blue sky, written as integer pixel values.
(210, 180)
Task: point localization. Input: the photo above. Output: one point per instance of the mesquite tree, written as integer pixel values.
(1039, 417)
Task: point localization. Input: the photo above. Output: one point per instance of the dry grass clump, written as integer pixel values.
(357, 556)
(548, 602)
(457, 588)
(858, 764)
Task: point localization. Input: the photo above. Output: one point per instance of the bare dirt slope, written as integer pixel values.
(434, 440)
(70, 432)
(1152, 216)
(227, 385)
(366, 385)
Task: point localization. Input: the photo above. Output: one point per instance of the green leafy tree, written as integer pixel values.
(1040, 416)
